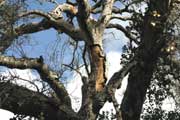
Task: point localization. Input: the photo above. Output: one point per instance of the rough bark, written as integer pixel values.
(60, 25)
(20, 100)
(94, 84)
(146, 57)
(98, 66)
(47, 75)
(86, 110)
(138, 82)
(93, 31)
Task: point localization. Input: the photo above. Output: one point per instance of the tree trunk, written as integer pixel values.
(146, 56)
(138, 82)
(96, 82)
(97, 66)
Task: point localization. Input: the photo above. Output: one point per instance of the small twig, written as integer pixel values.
(73, 69)
(74, 52)
(84, 59)
(32, 83)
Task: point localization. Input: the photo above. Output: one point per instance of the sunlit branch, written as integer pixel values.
(46, 74)
(106, 12)
(37, 12)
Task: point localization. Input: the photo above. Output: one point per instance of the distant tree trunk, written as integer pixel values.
(146, 57)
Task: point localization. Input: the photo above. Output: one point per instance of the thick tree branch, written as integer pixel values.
(47, 75)
(49, 22)
(115, 83)
(84, 8)
(146, 56)
(84, 19)
(106, 12)
(67, 8)
(75, 33)
(55, 14)
(127, 33)
(32, 27)
(20, 100)
(108, 93)
(60, 25)
(36, 12)
(7, 39)
(116, 79)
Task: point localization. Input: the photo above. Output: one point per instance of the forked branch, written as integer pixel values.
(46, 74)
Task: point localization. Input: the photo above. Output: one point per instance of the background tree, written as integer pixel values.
(150, 32)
